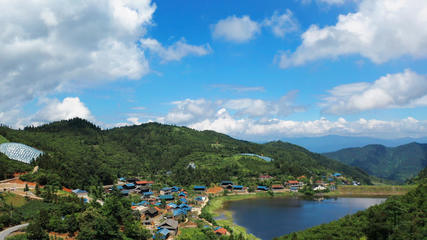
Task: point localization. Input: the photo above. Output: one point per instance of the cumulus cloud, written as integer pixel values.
(276, 128)
(379, 30)
(281, 24)
(52, 110)
(192, 110)
(48, 46)
(242, 29)
(407, 89)
(236, 29)
(176, 51)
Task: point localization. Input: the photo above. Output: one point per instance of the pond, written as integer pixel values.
(267, 218)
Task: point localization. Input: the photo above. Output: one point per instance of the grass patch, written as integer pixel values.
(3, 139)
(369, 190)
(14, 200)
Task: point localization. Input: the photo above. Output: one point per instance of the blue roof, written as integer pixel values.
(199, 198)
(237, 186)
(166, 197)
(140, 203)
(175, 189)
(172, 205)
(337, 174)
(166, 189)
(177, 212)
(294, 188)
(182, 194)
(217, 228)
(199, 187)
(183, 200)
(130, 185)
(120, 187)
(79, 191)
(148, 193)
(163, 231)
(122, 179)
(125, 192)
(262, 188)
(184, 206)
(157, 204)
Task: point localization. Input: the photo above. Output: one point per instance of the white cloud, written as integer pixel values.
(275, 128)
(281, 24)
(48, 46)
(55, 110)
(329, 2)
(380, 31)
(407, 89)
(192, 110)
(236, 29)
(176, 51)
(238, 88)
(52, 110)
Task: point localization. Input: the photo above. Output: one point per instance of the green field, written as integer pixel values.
(3, 139)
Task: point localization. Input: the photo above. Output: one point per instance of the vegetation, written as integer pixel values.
(8, 167)
(3, 139)
(399, 217)
(398, 163)
(79, 154)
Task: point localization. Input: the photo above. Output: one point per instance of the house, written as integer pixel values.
(125, 192)
(225, 184)
(80, 193)
(265, 177)
(172, 205)
(319, 188)
(294, 183)
(221, 231)
(184, 207)
(294, 189)
(129, 186)
(179, 212)
(237, 187)
(175, 189)
(183, 200)
(262, 188)
(337, 174)
(142, 203)
(165, 191)
(144, 183)
(166, 197)
(163, 233)
(147, 194)
(122, 179)
(182, 194)
(152, 212)
(277, 187)
(170, 224)
(301, 177)
(144, 189)
(199, 188)
(199, 199)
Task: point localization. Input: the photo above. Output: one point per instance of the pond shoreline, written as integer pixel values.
(216, 205)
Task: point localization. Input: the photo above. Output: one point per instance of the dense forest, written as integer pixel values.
(399, 217)
(79, 154)
(393, 163)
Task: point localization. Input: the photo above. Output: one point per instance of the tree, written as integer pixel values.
(37, 189)
(35, 231)
(26, 189)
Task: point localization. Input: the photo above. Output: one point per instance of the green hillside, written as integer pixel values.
(397, 163)
(8, 167)
(3, 139)
(79, 154)
(401, 217)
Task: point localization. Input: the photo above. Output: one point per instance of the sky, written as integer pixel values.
(255, 70)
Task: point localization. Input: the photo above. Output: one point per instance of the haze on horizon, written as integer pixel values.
(252, 70)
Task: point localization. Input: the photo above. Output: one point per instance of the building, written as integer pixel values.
(277, 187)
(163, 233)
(166, 197)
(225, 184)
(262, 188)
(144, 183)
(129, 186)
(294, 183)
(221, 231)
(80, 193)
(237, 187)
(169, 224)
(199, 188)
(152, 212)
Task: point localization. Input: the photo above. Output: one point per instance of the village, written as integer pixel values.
(164, 210)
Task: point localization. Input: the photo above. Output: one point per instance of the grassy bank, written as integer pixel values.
(3, 139)
(370, 191)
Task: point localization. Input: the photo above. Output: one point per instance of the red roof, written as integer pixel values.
(67, 189)
(265, 176)
(144, 182)
(293, 181)
(277, 186)
(301, 177)
(221, 231)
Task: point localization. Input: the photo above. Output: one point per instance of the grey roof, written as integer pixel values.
(169, 224)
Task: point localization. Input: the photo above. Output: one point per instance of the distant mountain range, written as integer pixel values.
(393, 163)
(332, 143)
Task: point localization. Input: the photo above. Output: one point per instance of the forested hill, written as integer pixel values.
(79, 154)
(397, 163)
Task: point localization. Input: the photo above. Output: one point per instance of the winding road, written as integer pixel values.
(8, 231)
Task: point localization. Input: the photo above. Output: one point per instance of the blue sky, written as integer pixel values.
(257, 70)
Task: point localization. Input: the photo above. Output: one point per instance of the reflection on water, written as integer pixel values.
(273, 217)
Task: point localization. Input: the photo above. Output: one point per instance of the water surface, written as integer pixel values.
(273, 217)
